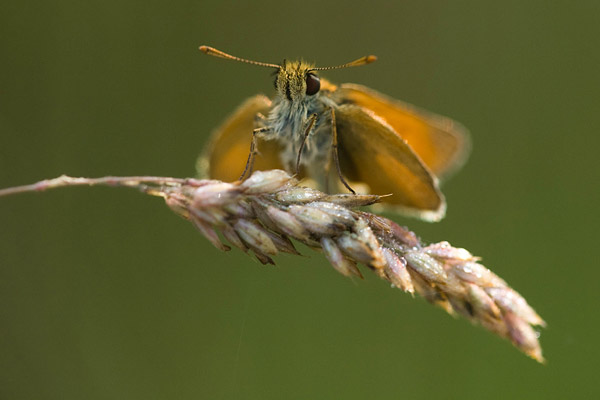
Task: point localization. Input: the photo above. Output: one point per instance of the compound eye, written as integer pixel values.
(313, 84)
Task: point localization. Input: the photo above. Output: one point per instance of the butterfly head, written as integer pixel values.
(296, 80)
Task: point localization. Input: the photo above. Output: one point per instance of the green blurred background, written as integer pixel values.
(105, 294)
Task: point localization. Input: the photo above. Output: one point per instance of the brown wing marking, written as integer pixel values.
(372, 153)
(225, 155)
(442, 144)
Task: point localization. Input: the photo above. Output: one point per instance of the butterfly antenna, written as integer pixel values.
(356, 63)
(218, 53)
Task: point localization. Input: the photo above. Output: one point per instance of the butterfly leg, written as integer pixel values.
(309, 127)
(334, 149)
(253, 150)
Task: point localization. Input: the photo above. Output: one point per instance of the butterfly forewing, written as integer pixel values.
(225, 156)
(442, 144)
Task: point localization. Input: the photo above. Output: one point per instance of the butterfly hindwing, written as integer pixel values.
(370, 151)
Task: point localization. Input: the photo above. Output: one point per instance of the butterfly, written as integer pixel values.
(339, 138)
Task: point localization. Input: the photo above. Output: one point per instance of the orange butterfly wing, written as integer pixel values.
(225, 156)
(370, 151)
(442, 144)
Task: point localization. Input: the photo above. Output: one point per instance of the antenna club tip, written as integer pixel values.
(204, 49)
(371, 58)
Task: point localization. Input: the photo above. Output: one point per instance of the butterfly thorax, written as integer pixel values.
(289, 117)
